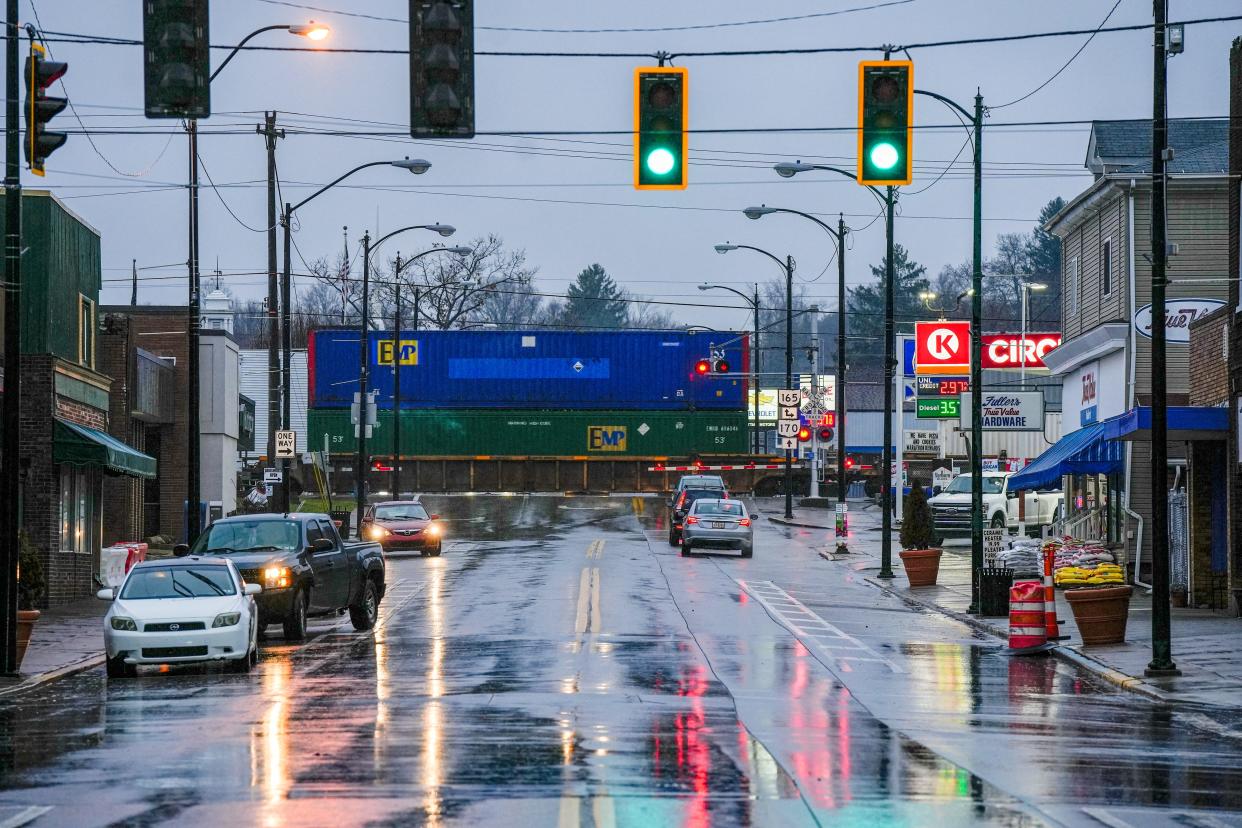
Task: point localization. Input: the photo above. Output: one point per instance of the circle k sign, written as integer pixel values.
(942, 347)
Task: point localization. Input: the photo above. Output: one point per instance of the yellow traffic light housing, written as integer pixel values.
(885, 122)
(661, 120)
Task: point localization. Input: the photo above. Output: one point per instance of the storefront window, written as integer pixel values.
(79, 506)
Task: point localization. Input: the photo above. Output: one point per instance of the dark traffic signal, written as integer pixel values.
(825, 434)
(40, 74)
(176, 58)
(661, 118)
(885, 119)
(442, 68)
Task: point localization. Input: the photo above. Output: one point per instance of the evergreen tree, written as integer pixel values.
(866, 305)
(595, 301)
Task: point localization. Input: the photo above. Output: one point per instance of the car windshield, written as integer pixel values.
(179, 582)
(733, 509)
(401, 511)
(248, 536)
(961, 485)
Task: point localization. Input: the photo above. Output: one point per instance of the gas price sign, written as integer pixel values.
(942, 386)
(938, 408)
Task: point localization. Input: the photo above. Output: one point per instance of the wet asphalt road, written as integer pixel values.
(561, 665)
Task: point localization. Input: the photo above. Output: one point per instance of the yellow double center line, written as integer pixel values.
(588, 618)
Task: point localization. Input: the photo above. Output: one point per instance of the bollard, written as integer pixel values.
(1052, 626)
(1026, 616)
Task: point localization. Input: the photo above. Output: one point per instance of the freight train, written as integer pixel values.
(531, 396)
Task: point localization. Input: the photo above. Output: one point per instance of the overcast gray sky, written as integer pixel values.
(570, 202)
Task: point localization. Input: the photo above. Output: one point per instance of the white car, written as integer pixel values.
(181, 610)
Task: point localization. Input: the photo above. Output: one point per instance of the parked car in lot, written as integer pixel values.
(951, 509)
(403, 525)
(681, 506)
(721, 524)
(303, 565)
(181, 610)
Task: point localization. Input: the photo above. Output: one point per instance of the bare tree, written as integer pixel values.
(455, 289)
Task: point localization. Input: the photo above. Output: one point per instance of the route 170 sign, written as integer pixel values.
(941, 347)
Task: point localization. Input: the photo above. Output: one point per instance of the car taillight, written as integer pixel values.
(691, 520)
(744, 522)
(681, 500)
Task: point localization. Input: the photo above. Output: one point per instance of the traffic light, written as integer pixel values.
(804, 434)
(40, 74)
(849, 463)
(176, 58)
(661, 118)
(442, 68)
(885, 118)
(703, 366)
(825, 434)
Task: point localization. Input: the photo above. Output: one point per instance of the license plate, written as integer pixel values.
(716, 524)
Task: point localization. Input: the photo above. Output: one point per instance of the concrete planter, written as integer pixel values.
(1100, 613)
(25, 626)
(921, 566)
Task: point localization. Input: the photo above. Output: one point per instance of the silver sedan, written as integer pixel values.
(718, 523)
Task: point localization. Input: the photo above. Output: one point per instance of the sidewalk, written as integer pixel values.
(1207, 646)
(66, 639)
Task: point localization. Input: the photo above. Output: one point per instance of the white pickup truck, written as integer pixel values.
(951, 509)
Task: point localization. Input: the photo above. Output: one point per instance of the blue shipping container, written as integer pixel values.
(532, 369)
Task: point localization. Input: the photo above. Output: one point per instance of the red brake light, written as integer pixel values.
(692, 520)
(744, 522)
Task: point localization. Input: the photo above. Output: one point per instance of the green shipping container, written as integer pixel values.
(479, 432)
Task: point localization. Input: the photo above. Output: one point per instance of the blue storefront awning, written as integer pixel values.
(1085, 451)
(1185, 423)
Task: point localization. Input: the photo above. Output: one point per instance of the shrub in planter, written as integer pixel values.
(31, 589)
(920, 556)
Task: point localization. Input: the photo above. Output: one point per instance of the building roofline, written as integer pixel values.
(61, 205)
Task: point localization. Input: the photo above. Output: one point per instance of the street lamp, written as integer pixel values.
(315, 32)
(417, 166)
(443, 230)
(928, 295)
(788, 169)
(788, 266)
(838, 236)
(1025, 289)
(754, 306)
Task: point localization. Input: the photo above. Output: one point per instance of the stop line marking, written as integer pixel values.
(811, 629)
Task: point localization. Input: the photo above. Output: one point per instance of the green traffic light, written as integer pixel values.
(884, 156)
(660, 161)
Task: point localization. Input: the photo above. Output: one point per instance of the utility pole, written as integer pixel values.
(270, 134)
(193, 320)
(755, 347)
(1161, 644)
(364, 347)
(789, 269)
(812, 354)
(133, 289)
(890, 364)
(842, 308)
(976, 374)
(286, 354)
(9, 478)
(396, 381)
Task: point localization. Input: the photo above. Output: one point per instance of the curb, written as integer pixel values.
(802, 525)
(1071, 656)
(53, 675)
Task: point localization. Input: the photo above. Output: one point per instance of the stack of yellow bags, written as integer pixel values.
(1105, 573)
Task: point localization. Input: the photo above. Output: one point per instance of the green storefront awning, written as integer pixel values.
(78, 445)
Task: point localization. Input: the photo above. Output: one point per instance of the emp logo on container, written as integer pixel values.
(606, 438)
(384, 349)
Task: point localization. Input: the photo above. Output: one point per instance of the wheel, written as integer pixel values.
(364, 613)
(295, 621)
(239, 665)
(435, 553)
(998, 521)
(672, 537)
(117, 668)
(748, 551)
(686, 550)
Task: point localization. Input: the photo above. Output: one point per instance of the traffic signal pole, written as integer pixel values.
(396, 381)
(890, 365)
(841, 311)
(193, 480)
(789, 269)
(361, 462)
(9, 478)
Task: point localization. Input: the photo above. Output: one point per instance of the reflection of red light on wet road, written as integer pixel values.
(694, 761)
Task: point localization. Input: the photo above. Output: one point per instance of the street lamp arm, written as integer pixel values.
(415, 258)
(875, 191)
(329, 186)
(385, 238)
(239, 46)
(776, 259)
(948, 102)
(750, 302)
(828, 229)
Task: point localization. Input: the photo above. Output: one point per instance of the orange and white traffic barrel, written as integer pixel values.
(1052, 627)
(1026, 615)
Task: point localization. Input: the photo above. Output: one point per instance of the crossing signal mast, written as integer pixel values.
(661, 120)
(40, 74)
(885, 122)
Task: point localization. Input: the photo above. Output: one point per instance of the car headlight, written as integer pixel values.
(226, 619)
(433, 529)
(376, 533)
(275, 577)
(122, 623)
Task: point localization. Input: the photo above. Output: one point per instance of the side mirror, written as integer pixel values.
(322, 545)
(181, 550)
(754, 517)
(435, 517)
(106, 594)
(254, 589)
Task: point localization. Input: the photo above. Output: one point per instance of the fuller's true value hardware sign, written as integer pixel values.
(1007, 410)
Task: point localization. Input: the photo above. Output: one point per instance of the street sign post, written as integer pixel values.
(286, 444)
(272, 476)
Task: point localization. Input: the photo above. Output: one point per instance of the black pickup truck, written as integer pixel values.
(304, 566)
